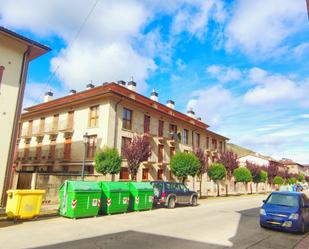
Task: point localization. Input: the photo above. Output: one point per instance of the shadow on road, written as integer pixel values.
(248, 235)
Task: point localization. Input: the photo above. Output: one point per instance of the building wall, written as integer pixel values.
(11, 56)
(257, 160)
(109, 126)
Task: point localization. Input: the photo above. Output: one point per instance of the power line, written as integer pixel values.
(69, 45)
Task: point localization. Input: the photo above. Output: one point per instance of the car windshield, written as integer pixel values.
(283, 200)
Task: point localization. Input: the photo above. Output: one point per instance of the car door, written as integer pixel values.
(185, 193)
(177, 192)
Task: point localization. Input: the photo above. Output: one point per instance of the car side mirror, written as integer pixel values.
(264, 201)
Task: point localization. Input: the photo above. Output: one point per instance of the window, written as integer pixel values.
(145, 174)
(30, 124)
(146, 124)
(127, 119)
(207, 142)
(67, 148)
(1, 73)
(185, 136)
(91, 146)
(42, 125)
(160, 174)
(198, 140)
(70, 120)
(161, 128)
(52, 150)
(125, 141)
(94, 116)
(172, 151)
(124, 173)
(214, 144)
(38, 151)
(27, 149)
(160, 153)
(173, 128)
(220, 146)
(55, 122)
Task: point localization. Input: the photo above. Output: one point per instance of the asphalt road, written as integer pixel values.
(216, 223)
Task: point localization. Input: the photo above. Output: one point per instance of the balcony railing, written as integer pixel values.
(51, 129)
(26, 133)
(66, 126)
(46, 155)
(38, 130)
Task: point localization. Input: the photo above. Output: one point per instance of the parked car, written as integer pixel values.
(169, 194)
(285, 210)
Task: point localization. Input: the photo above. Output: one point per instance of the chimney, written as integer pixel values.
(72, 91)
(89, 86)
(132, 85)
(105, 83)
(121, 82)
(48, 96)
(154, 95)
(191, 113)
(199, 119)
(170, 104)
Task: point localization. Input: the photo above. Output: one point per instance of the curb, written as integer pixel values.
(303, 244)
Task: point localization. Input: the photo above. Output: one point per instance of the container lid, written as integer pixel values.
(141, 186)
(115, 186)
(83, 186)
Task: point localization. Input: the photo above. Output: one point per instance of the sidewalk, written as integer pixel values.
(303, 244)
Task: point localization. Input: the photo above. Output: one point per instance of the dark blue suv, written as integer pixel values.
(171, 193)
(285, 211)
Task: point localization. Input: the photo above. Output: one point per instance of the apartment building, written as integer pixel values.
(52, 133)
(16, 52)
(293, 167)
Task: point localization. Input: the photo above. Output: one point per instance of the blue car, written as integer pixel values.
(288, 211)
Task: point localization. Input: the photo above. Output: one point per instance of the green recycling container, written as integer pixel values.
(79, 199)
(141, 196)
(115, 197)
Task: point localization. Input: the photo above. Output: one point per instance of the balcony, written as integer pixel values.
(26, 133)
(38, 131)
(51, 129)
(66, 126)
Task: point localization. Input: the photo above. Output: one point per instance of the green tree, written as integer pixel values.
(217, 172)
(242, 174)
(263, 176)
(108, 161)
(278, 180)
(301, 177)
(184, 164)
(292, 180)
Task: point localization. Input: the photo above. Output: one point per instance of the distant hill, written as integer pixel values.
(240, 151)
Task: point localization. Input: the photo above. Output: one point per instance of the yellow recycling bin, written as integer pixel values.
(24, 203)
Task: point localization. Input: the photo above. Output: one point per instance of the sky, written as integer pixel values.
(241, 65)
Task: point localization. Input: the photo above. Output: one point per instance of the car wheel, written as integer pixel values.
(171, 202)
(302, 229)
(194, 201)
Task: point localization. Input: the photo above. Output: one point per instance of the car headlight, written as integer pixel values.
(294, 216)
(262, 212)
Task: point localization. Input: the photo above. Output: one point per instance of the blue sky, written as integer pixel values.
(242, 65)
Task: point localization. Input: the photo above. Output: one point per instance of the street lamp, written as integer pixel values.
(85, 142)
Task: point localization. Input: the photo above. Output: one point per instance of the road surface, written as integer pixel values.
(216, 223)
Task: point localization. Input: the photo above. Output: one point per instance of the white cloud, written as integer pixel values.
(224, 74)
(301, 49)
(211, 104)
(194, 17)
(259, 28)
(304, 116)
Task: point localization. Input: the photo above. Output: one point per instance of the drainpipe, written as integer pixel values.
(9, 171)
(116, 123)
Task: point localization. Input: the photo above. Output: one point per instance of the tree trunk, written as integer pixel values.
(218, 189)
(226, 187)
(184, 180)
(251, 187)
(201, 177)
(113, 177)
(256, 187)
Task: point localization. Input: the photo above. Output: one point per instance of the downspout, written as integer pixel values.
(116, 124)
(13, 148)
